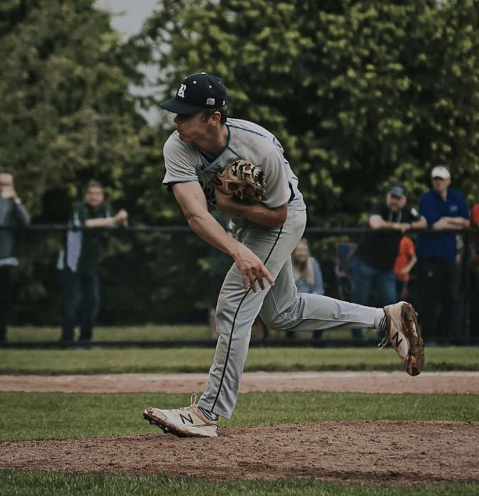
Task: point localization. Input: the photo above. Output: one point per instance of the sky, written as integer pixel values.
(128, 17)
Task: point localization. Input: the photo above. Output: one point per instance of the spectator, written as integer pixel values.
(373, 262)
(405, 261)
(444, 209)
(220, 263)
(12, 214)
(474, 304)
(307, 277)
(80, 260)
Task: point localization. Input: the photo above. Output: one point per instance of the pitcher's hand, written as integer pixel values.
(252, 269)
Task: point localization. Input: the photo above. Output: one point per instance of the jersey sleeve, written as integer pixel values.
(412, 215)
(377, 209)
(278, 191)
(179, 163)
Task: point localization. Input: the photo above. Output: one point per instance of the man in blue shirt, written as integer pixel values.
(444, 208)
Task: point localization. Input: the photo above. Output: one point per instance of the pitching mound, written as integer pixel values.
(369, 453)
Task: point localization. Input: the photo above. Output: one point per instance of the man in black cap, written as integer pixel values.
(373, 263)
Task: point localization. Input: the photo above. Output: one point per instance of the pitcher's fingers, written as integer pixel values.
(268, 276)
(245, 282)
(252, 282)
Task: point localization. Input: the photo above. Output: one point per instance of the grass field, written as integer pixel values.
(60, 416)
(156, 360)
(68, 416)
(162, 333)
(42, 483)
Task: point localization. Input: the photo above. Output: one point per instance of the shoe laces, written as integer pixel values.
(193, 399)
(383, 343)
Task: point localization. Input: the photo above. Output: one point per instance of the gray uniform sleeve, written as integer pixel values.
(277, 188)
(179, 162)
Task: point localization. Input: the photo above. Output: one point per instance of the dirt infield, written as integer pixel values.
(346, 382)
(392, 453)
(369, 453)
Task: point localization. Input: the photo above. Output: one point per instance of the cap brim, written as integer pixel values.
(177, 107)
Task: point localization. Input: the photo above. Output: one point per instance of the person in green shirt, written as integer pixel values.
(80, 259)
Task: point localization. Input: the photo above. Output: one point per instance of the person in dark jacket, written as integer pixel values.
(374, 259)
(80, 259)
(12, 214)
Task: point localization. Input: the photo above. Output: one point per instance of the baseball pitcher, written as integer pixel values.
(240, 167)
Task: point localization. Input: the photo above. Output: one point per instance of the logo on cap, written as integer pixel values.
(181, 91)
(210, 101)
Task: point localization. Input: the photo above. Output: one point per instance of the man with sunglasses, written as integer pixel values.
(373, 263)
(444, 209)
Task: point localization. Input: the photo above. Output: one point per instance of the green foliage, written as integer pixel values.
(65, 111)
(360, 93)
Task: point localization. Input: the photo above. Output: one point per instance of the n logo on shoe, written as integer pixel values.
(396, 338)
(188, 418)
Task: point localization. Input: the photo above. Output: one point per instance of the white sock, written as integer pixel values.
(208, 414)
(380, 320)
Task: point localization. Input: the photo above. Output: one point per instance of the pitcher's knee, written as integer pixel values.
(225, 318)
(278, 323)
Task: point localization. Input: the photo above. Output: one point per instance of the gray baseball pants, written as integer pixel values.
(280, 307)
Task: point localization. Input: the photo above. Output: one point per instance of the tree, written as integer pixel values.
(360, 93)
(65, 111)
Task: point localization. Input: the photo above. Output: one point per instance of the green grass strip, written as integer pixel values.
(176, 360)
(162, 333)
(33, 416)
(15, 483)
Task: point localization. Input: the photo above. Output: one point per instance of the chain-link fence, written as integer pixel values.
(156, 287)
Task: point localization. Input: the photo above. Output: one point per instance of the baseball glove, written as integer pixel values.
(242, 180)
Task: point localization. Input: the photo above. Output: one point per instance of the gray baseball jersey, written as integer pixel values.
(248, 141)
(280, 307)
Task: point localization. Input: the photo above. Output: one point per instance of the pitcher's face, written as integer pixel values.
(191, 127)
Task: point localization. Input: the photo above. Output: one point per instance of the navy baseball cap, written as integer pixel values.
(196, 93)
(397, 190)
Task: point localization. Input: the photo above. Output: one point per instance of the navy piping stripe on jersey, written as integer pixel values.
(247, 130)
(234, 320)
(291, 198)
(234, 152)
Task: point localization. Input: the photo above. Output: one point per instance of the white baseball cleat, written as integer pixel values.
(401, 332)
(182, 422)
